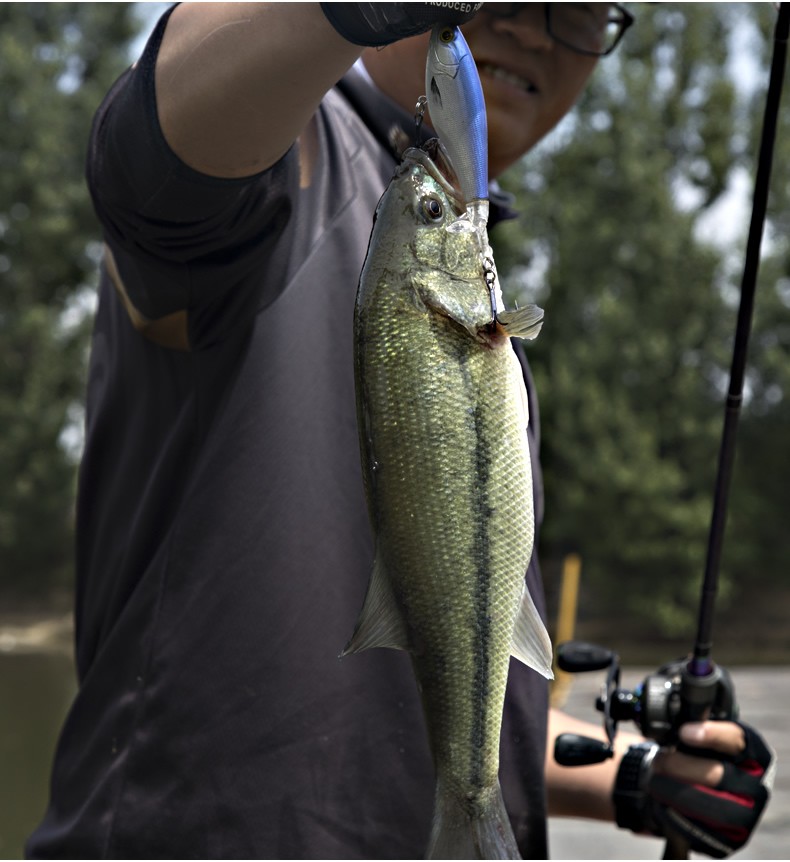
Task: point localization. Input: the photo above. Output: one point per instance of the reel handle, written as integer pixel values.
(581, 657)
(570, 749)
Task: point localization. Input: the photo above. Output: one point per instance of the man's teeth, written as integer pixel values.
(510, 77)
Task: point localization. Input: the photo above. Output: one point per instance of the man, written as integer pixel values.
(223, 544)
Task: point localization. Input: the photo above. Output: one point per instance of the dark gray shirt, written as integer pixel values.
(223, 542)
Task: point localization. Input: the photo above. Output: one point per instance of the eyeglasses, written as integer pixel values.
(594, 29)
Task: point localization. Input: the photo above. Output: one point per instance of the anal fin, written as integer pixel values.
(380, 622)
(531, 642)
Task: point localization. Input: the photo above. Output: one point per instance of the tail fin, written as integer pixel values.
(471, 830)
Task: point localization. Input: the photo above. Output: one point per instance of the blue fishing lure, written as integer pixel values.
(458, 111)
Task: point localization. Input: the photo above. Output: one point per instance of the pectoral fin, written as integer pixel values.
(531, 643)
(380, 622)
(521, 323)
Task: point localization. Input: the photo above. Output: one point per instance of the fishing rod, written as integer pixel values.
(694, 688)
(700, 661)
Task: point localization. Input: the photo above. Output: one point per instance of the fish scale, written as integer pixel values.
(442, 420)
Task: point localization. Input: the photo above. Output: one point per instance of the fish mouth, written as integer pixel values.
(433, 157)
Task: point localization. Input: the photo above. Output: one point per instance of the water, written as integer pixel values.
(35, 692)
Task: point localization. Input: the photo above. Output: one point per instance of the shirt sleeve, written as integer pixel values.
(182, 241)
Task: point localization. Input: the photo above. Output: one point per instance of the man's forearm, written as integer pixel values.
(582, 791)
(236, 83)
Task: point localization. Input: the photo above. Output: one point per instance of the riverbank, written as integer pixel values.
(51, 630)
(38, 636)
(749, 631)
(28, 626)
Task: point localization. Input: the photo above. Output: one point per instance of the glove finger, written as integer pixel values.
(730, 815)
(739, 781)
(756, 756)
(698, 838)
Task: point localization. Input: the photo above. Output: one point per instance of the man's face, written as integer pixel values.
(529, 81)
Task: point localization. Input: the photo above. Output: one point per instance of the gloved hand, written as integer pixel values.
(715, 812)
(375, 24)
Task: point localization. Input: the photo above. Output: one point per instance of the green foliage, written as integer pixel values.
(57, 60)
(633, 360)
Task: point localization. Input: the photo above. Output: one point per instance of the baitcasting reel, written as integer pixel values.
(677, 692)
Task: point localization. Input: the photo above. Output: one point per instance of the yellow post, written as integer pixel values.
(566, 623)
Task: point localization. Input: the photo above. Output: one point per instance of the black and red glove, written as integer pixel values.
(713, 820)
(375, 24)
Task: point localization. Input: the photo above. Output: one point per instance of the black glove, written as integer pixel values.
(713, 820)
(375, 24)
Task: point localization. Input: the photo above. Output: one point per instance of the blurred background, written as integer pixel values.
(634, 216)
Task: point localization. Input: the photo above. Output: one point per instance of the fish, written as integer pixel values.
(442, 417)
(457, 107)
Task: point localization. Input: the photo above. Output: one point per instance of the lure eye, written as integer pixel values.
(447, 35)
(432, 209)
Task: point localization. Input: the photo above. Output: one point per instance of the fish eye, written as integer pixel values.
(432, 208)
(447, 35)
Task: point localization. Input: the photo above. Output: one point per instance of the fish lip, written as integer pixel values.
(433, 157)
(533, 83)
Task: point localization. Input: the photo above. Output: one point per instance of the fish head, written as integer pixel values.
(434, 213)
(439, 249)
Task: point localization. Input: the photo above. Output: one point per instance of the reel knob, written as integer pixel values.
(570, 749)
(579, 657)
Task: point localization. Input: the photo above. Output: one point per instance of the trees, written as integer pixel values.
(56, 62)
(633, 359)
(615, 241)
(762, 481)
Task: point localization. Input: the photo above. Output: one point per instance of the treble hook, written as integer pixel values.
(419, 114)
